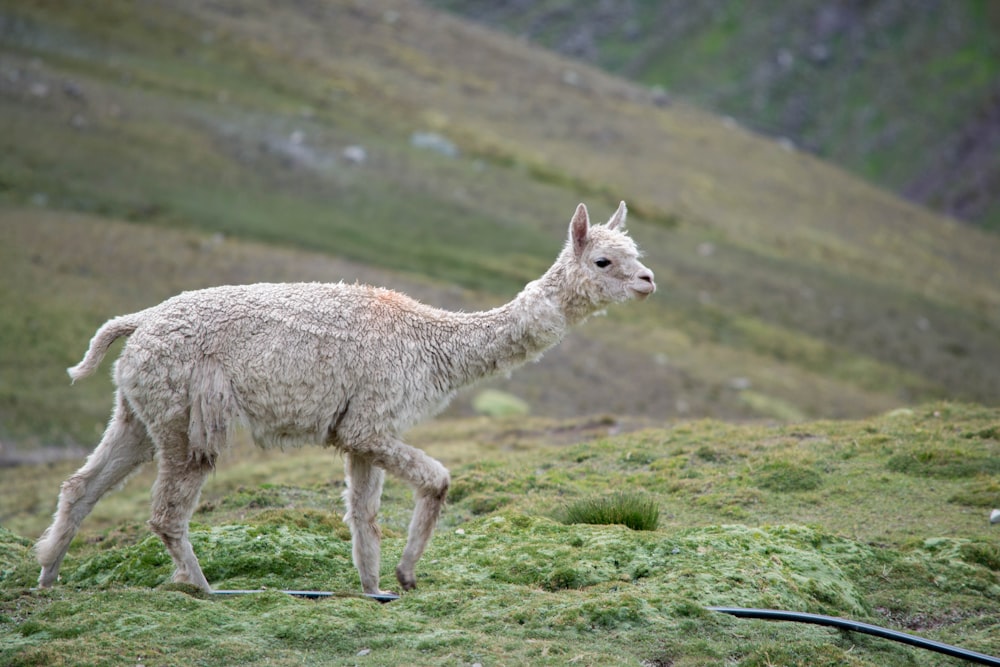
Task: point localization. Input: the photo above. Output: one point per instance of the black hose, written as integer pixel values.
(866, 628)
(315, 595)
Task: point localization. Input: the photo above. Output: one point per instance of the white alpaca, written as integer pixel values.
(350, 366)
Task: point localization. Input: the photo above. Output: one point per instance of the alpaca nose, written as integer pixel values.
(647, 276)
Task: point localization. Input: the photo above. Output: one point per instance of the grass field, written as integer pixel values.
(159, 147)
(882, 520)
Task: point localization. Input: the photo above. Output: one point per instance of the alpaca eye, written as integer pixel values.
(602, 263)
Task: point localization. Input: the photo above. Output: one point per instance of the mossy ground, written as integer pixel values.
(788, 291)
(504, 582)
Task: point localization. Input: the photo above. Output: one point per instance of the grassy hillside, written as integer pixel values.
(787, 288)
(160, 146)
(882, 520)
(903, 94)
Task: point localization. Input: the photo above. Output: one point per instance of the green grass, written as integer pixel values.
(631, 510)
(510, 585)
(818, 297)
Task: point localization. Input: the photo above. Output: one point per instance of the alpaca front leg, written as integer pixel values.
(430, 481)
(362, 498)
(426, 511)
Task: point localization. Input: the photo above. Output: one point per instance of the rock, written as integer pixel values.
(355, 154)
(74, 90)
(434, 142)
(659, 96)
(571, 78)
(740, 383)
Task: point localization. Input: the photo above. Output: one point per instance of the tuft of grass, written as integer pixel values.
(634, 510)
(787, 477)
(944, 462)
(496, 403)
(981, 492)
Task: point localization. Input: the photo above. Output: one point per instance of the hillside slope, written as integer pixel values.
(787, 287)
(905, 94)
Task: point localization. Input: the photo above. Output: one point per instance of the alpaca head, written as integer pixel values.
(604, 261)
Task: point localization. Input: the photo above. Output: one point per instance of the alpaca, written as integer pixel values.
(348, 366)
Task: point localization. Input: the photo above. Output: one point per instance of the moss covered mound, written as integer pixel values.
(504, 582)
(232, 556)
(508, 587)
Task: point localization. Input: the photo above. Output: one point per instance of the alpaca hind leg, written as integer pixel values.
(124, 447)
(430, 481)
(175, 496)
(362, 497)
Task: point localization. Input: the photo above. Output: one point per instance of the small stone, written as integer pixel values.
(571, 78)
(785, 59)
(364, 652)
(659, 96)
(74, 90)
(434, 142)
(995, 516)
(355, 154)
(740, 383)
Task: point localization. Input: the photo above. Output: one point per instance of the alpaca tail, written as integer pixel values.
(99, 344)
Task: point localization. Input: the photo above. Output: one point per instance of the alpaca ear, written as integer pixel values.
(618, 219)
(578, 228)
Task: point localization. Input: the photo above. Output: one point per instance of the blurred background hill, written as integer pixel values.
(905, 94)
(151, 147)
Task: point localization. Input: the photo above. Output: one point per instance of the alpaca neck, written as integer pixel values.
(498, 340)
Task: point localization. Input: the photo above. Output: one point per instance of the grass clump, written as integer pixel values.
(982, 492)
(496, 403)
(943, 462)
(788, 477)
(633, 510)
(14, 549)
(235, 556)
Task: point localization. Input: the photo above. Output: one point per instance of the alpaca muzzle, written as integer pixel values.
(643, 284)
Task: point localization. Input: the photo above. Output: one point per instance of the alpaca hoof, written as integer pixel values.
(185, 578)
(406, 579)
(47, 578)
